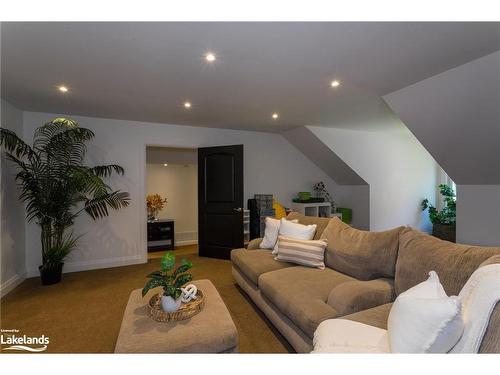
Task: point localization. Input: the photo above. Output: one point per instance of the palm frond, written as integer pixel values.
(98, 207)
(15, 145)
(88, 182)
(107, 170)
(61, 250)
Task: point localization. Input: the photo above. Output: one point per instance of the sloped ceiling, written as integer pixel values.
(324, 157)
(456, 117)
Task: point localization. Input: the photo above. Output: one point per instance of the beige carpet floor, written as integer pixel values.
(83, 313)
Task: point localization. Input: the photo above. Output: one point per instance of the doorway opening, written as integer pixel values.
(172, 194)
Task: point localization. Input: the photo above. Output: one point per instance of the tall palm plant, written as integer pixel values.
(57, 187)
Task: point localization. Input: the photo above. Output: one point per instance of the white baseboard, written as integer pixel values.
(97, 264)
(10, 284)
(186, 242)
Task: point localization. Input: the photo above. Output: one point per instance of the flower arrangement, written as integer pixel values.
(155, 203)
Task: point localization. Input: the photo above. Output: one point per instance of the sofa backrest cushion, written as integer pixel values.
(361, 254)
(321, 222)
(419, 253)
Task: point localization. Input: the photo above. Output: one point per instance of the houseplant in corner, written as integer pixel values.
(444, 221)
(57, 186)
(171, 280)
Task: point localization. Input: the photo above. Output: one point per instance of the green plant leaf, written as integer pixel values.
(167, 261)
(177, 293)
(152, 283)
(60, 249)
(447, 216)
(155, 274)
(171, 290)
(185, 266)
(183, 279)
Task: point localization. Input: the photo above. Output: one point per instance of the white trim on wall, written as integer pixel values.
(10, 284)
(97, 264)
(186, 238)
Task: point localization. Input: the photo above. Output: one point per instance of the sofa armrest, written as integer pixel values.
(354, 296)
(254, 244)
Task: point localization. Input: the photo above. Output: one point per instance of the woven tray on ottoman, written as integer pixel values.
(210, 331)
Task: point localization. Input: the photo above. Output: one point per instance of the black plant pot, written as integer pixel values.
(444, 232)
(51, 273)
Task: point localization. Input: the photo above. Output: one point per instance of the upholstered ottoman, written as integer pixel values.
(210, 331)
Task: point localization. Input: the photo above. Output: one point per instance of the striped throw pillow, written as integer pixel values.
(310, 253)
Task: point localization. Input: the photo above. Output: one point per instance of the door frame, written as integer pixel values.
(143, 212)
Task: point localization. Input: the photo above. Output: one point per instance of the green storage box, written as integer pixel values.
(346, 214)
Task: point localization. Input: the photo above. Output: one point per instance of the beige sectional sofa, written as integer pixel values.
(364, 273)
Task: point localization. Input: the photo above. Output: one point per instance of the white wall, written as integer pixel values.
(398, 169)
(456, 116)
(478, 214)
(12, 211)
(179, 184)
(271, 165)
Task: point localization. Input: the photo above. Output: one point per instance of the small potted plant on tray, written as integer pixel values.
(171, 280)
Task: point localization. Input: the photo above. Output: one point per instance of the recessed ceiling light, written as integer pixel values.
(210, 57)
(187, 105)
(165, 165)
(63, 88)
(335, 83)
(275, 116)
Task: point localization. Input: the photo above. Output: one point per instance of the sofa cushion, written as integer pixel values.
(301, 294)
(361, 254)
(347, 336)
(321, 222)
(420, 253)
(253, 263)
(353, 296)
(376, 316)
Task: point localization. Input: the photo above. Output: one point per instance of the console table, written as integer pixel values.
(161, 235)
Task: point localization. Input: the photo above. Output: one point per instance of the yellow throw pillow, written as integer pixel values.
(279, 210)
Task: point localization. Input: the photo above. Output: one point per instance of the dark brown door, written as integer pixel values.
(220, 200)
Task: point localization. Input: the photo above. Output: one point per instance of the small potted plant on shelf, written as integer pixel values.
(444, 221)
(171, 280)
(155, 203)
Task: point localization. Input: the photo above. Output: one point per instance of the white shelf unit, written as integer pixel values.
(322, 209)
(246, 226)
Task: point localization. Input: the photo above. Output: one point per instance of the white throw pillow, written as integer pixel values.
(295, 230)
(271, 232)
(425, 320)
